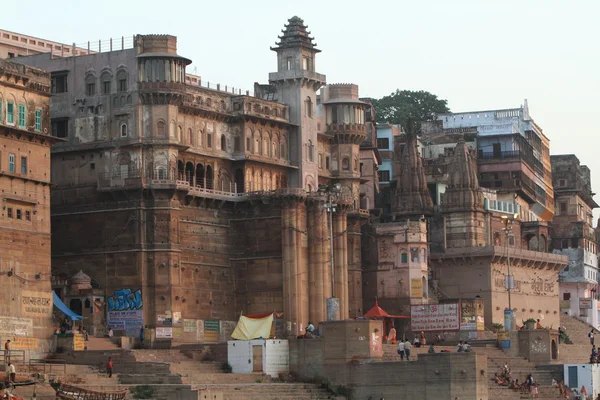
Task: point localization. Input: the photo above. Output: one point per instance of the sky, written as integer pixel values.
(477, 54)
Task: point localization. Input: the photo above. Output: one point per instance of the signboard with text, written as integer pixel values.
(585, 303)
(435, 317)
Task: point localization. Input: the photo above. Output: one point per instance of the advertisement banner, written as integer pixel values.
(435, 317)
(22, 343)
(129, 321)
(164, 333)
(211, 330)
(189, 325)
(585, 303)
(416, 287)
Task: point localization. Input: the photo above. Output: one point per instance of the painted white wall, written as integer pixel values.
(277, 357)
(587, 375)
(275, 360)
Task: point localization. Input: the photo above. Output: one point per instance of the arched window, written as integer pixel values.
(106, 79)
(223, 143)
(123, 130)
(308, 111)
(179, 133)
(345, 164)
(311, 156)
(320, 160)
(404, 258)
(355, 165)
(200, 138)
(236, 143)
(161, 173)
(190, 137)
(172, 130)
(122, 80)
(90, 85)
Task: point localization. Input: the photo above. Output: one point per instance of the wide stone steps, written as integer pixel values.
(264, 392)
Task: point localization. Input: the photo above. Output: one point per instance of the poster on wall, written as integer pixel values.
(468, 319)
(168, 318)
(128, 321)
(416, 287)
(36, 304)
(211, 330)
(435, 317)
(226, 329)
(585, 303)
(24, 343)
(164, 333)
(78, 342)
(160, 319)
(200, 330)
(15, 326)
(176, 318)
(189, 325)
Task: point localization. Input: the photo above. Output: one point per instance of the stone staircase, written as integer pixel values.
(579, 351)
(261, 391)
(170, 373)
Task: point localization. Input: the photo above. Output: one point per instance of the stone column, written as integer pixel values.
(319, 275)
(301, 256)
(289, 267)
(341, 261)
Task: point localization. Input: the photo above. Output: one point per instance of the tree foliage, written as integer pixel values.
(406, 106)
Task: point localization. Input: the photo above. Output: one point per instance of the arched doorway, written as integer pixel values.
(542, 246)
(200, 175)
(76, 306)
(532, 243)
(189, 173)
(554, 350)
(239, 180)
(209, 177)
(180, 170)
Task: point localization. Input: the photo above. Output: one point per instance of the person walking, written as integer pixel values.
(591, 336)
(407, 348)
(11, 372)
(401, 350)
(109, 367)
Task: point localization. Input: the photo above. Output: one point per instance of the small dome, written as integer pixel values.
(80, 281)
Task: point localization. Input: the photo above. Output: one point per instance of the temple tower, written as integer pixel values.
(296, 84)
(463, 203)
(412, 198)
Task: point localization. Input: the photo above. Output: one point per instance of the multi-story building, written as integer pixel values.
(14, 44)
(385, 143)
(573, 235)
(25, 142)
(188, 202)
(513, 155)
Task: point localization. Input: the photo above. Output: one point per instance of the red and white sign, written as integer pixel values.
(585, 303)
(435, 317)
(164, 333)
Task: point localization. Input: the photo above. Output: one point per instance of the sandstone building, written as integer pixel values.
(187, 204)
(482, 182)
(25, 142)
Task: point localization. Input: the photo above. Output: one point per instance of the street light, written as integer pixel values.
(331, 207)
(508, 222)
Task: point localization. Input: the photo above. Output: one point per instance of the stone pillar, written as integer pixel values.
(289, 267)
(341, 261)
(319, 275)
(301, 256)
(295, 269)
(355, 298)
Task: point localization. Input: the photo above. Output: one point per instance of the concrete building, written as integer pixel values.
(573, 235)
(14, 44)
(200, 202)
(25, 142)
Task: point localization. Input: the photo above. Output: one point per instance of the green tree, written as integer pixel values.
(403, 106)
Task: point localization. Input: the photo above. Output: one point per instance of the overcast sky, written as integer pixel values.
(476, 54)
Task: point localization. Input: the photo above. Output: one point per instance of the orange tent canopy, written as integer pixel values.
(378, 312)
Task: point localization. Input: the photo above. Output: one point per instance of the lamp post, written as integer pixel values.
(331, 207)
(508, 222)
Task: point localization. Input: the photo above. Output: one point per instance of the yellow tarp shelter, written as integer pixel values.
(253, 328)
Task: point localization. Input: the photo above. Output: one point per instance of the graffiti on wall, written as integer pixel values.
(125, 299)
(125, 311)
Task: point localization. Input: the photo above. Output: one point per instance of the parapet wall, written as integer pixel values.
(432, 377)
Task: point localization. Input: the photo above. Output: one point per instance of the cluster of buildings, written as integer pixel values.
(175, 204)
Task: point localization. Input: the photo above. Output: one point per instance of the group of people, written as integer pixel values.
(504, 378)
(463, 347)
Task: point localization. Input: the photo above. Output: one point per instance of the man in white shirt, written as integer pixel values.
(407, 348)
(401, 349)
(10, 370)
